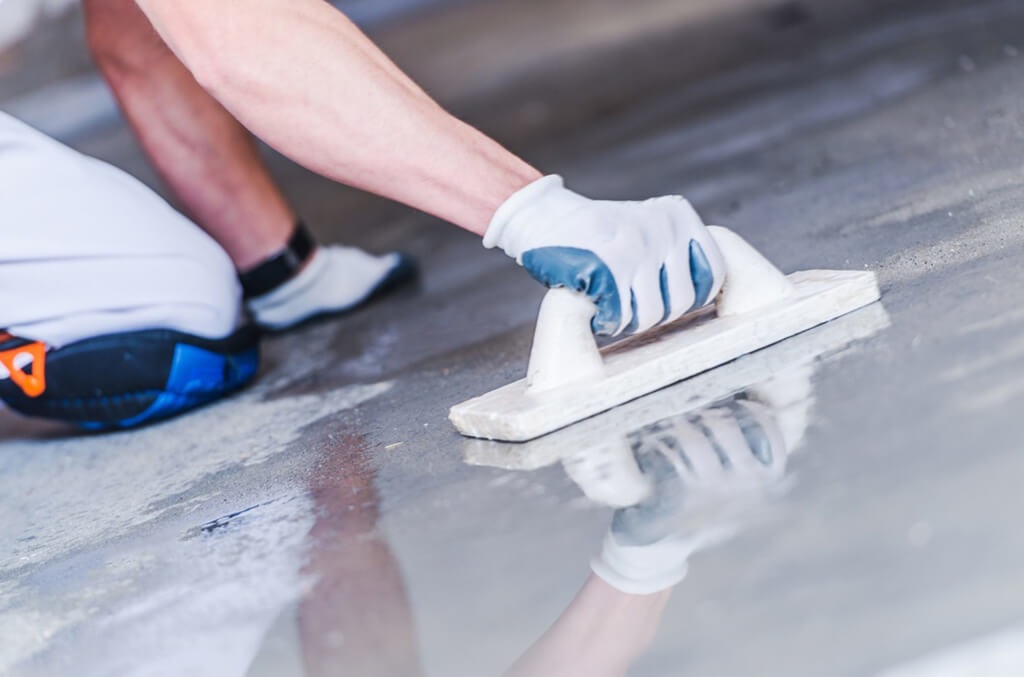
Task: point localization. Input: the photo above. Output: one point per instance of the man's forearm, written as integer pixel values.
(601, 633)
(308, 82)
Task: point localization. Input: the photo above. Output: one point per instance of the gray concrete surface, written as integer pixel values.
(328, 515)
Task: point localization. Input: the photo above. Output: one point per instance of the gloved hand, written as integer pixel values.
(706, 471)
(642, 263)
(336, 279)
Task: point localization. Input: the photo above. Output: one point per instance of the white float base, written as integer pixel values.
(643, 364)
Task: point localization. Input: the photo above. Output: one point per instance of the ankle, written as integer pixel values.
(274, 271)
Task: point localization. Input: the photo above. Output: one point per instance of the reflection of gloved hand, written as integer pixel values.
(642, 263)
(334, 280)
(705, 469)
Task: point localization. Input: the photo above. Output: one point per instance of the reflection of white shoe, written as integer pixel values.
(704, 471)
(335, 280)
(18, 17)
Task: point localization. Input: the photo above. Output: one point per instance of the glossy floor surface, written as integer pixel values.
(856, 514)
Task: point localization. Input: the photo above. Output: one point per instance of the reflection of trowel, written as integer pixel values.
(569, 379)
(781, 365)
(689, 466)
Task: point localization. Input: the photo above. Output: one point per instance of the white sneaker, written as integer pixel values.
(336, 279)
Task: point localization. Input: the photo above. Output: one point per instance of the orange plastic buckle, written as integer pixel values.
(34, 384)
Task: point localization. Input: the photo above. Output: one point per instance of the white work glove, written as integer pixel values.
(641, 263)
(335, 280)
(707, 471)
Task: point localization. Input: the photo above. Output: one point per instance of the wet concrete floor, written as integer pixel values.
(330, 521)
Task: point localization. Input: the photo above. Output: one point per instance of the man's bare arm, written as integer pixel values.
(307, 81)
(302, 77)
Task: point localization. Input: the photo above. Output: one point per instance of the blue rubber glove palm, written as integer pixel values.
(642, 263)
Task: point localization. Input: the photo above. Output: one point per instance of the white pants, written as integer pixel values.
(86, 250)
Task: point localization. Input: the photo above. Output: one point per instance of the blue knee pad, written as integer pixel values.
(126, 380)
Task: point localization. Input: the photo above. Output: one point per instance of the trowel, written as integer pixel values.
(569, 378)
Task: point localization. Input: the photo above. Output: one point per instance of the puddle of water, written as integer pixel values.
(685, 469)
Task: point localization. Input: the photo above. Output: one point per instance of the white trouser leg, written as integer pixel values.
(86, 250)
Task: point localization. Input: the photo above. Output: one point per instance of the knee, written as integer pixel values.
(184, 282)
(209, 302)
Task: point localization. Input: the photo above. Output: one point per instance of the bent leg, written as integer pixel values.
(107, 295)
(211, 164)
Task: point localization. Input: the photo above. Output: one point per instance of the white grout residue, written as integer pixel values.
(67, 493)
